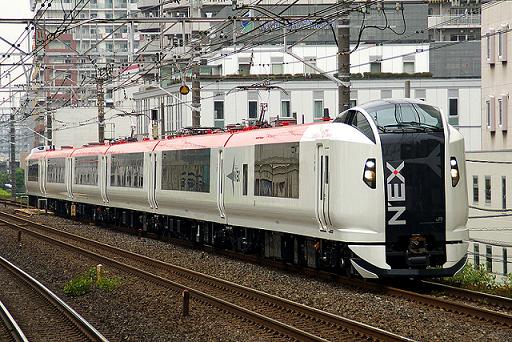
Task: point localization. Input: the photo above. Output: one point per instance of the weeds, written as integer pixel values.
(86, 282)
(479, 279)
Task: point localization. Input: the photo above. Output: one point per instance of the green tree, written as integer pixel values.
(20, 180)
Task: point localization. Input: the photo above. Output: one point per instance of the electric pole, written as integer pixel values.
(344, 57)
(196, 96)
(12, 162)
(102, 75)
(101, 109)
(12, 132)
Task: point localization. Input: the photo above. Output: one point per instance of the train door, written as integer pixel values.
(103, 177)
(322, 188)
(220, 185)
(152, 173)
(42, 175)
(69, 176)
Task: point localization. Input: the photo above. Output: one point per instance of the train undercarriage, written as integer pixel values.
(292, 249)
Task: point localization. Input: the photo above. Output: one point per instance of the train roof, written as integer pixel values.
(273, 135)
(194, 142)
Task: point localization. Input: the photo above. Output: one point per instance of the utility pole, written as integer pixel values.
(344, 57)
(196, 84)
(101, 108)
(196, 95)
(12, 161)
(102, 75)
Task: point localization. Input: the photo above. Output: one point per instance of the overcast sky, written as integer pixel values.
(11, 32)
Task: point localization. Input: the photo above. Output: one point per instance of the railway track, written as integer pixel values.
(9, 329)
(40, 314)
(284, 318)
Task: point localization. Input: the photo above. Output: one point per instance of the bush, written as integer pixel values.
(84, 283)
(479, 279)
(78, 286)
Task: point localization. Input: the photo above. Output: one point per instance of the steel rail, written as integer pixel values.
(85, 327)
(340, 324)
(15, 331)
(491, 299)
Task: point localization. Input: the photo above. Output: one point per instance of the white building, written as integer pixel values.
(237, 100)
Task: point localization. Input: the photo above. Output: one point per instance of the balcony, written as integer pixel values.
(453, 21)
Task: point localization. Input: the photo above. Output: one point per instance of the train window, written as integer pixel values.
(33, 171)
(359, 121)
(127, 170)
(276, 170)
(391, 115)
(86, 170)
(56, 167)
(345, 117)
(186, 170)
(245, 176)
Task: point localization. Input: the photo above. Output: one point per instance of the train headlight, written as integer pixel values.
(454, 171)
(370, 173)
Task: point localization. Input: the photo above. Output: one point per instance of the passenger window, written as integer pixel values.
(359, 121)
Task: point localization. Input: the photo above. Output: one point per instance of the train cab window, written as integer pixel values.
(359, 121)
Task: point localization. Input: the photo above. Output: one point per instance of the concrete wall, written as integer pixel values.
(78, 126)
(454, 59)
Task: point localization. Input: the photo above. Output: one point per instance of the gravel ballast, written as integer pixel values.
(139, 310)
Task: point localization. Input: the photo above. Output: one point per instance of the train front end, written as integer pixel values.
(426, 210)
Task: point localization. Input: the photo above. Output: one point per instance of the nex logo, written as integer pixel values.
(396, 193)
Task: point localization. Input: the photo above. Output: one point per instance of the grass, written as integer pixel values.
(86, 282)
(4, 194)
(479, 279)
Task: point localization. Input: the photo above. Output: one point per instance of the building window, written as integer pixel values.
(500, 112)
(453, 105)
(218, 110)
(277, 65)
(386, 94)
(504, 192)
(488, 189)
(285, 108)
(244, 69)
(420, 94)
(318, 108)
(490, 46)
(475, 189)
(307, 68)
(276, 170)
(375, 67)
(253, 109)
(488, 258)
(318, 104)
(476, 255)
(186, 170)
(491, 121)
(408, 67)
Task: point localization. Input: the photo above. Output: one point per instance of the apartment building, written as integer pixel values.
(489, 171)
(65, 67)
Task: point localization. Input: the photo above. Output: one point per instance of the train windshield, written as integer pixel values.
(390, 116)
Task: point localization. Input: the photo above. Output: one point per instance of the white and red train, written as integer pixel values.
(380, 191)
